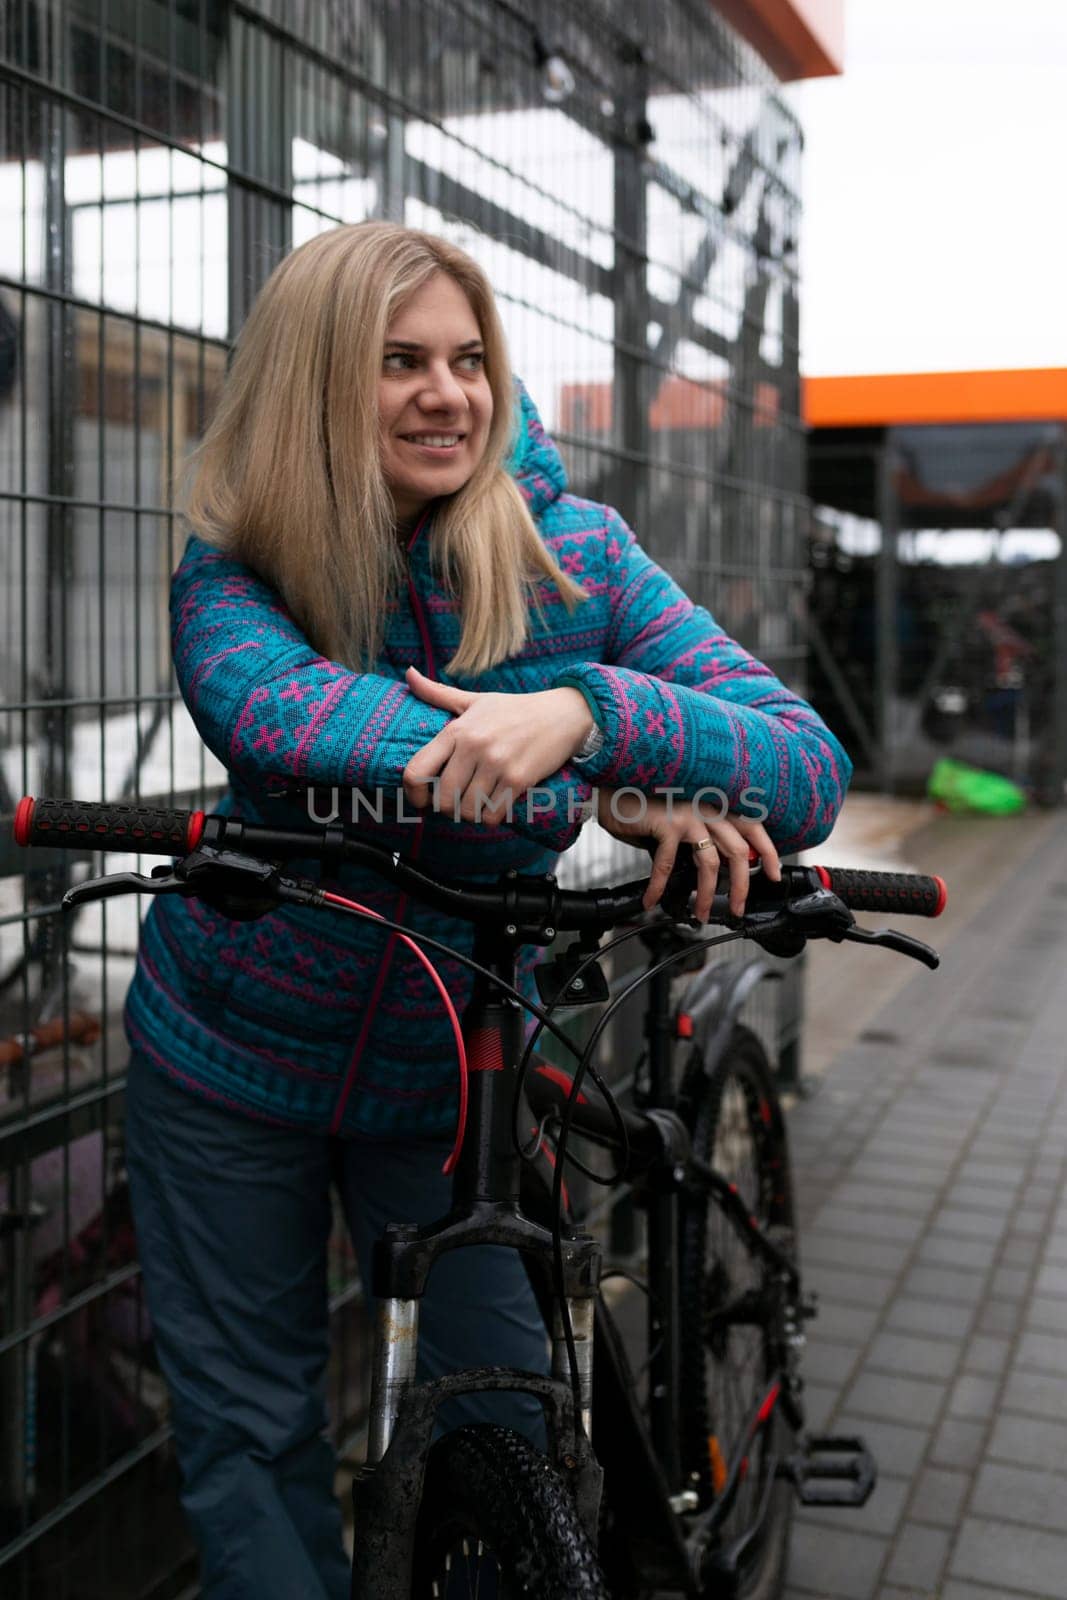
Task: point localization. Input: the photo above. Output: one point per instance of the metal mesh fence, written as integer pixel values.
(629, 179)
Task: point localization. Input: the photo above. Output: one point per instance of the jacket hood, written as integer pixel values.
(534, 462)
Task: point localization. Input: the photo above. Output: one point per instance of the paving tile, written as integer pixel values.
(893, 1170)
(852, 1288)
(1055, 1250)
(973, 1396)
(998, 1316)
(932, 1283)
(918, 1556)
(1027, 1559)
(958, 1443)
(1039, 1195)
(970, 1224)
(1010, 1283)
(1051, 1280)
(947, 1250)
(913, 1355)
(972, 1591)
(1006, 1173)
(995, 1198)
(1036, 1394)
(1047, 1313)
(1045, 1351)
(1018, 1494)
(881, 1198)
(828, 1363)
(945, 1318)
(984, 1353)
(899, 1399)
(1019, 1251)
(834, 1563)
(1030, 1224)
(842, 1324)
(858, 1255)
(898, 1450)
(1029, 1441)
(939, 1496)
(835, 1218)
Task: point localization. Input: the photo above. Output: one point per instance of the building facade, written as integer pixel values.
(939, 584)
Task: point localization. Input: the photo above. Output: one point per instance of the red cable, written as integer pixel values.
(354, 905)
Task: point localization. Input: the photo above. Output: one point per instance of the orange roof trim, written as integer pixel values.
(796, 38)
(1036, 394)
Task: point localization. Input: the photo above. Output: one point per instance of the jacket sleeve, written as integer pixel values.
(682, 705)
(272, 709)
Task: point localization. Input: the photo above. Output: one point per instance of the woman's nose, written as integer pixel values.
(442, 391)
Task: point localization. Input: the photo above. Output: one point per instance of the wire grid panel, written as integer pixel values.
(637, 213)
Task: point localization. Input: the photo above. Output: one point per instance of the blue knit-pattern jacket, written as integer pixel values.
(320, 1021)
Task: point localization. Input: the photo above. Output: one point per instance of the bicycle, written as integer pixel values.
(668, 1499)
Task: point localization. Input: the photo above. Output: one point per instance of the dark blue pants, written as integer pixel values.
(232, 1220)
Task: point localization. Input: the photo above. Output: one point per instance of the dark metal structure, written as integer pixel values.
(628, 175)
(939, 589)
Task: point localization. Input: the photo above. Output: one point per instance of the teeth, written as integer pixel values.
(434, 438)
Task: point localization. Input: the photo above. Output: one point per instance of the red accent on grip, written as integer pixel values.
(103, 825)
(910, 894)
(23, 819)
(824, 877)
(683, 1025)
(195, 829)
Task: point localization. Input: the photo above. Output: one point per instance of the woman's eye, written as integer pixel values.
(398, 360)
(477, 358)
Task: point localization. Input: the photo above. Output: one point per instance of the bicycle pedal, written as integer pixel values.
(831, 1470)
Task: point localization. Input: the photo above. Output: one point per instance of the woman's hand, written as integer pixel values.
(496, 747)
(671, 822)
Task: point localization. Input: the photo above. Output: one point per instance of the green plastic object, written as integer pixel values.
(959, 787)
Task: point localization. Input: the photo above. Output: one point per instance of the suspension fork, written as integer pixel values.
(485, 1210)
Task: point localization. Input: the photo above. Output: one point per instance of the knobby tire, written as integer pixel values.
(736, 1126)
(497, 1521)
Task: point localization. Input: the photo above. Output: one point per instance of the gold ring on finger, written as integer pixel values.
(705, 844)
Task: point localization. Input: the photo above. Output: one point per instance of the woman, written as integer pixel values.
(390, 592)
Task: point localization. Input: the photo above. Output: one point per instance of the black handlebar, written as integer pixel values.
(531, 907)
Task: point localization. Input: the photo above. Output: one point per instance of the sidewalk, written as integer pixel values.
(929, 1172)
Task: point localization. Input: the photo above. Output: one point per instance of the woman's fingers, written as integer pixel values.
(662, 866)
(706, 859)
(760, 841)
(426, 764)
(735, 849)
(443, 695)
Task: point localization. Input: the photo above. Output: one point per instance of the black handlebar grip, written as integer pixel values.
(84, 825)
(905, 893)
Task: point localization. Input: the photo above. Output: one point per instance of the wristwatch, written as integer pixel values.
(592, 742)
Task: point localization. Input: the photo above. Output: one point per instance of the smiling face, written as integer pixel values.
(434, 399)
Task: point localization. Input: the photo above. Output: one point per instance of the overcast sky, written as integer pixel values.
(935, 216)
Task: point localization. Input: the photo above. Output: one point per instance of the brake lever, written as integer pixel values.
(162, 881)
(239, 886)
(902, 943)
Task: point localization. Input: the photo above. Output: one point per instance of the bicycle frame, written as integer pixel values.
(492, 1205)
(485, 1210)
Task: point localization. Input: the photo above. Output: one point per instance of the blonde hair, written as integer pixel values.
(288, 476)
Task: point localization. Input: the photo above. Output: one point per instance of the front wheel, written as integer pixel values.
(729, 1302)
(497, 1522)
